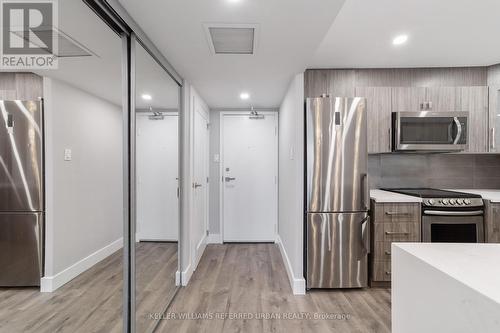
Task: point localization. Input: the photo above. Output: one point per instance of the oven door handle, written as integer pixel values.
(445, 213)
(459, 130)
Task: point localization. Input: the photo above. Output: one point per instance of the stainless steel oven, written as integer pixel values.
(430, 131)
(445, 225)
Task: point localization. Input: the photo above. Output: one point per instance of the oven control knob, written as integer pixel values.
(452, 201)
(460, 202)
(467, 201)
(445, 202)
(430, 202)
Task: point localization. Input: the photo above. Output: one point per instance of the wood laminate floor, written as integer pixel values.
(250, 280)
(92, 302)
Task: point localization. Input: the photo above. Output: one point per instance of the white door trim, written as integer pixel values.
(221, 165)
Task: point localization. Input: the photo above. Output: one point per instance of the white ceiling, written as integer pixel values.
(101, 74)
(290, 32)
(441, 33)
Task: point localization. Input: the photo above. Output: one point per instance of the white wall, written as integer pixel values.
(291, 182)
(84, 196)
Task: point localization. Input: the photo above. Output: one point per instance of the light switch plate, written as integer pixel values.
(67, 154)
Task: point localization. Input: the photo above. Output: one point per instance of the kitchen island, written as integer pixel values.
(445, 287)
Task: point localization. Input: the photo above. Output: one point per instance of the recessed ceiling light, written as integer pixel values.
(244, 95)
(233, 1)
(401, 39)
(146, 97)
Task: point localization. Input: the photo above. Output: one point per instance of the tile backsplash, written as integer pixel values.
(480, 171)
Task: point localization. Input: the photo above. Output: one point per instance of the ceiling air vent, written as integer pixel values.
(232, 38)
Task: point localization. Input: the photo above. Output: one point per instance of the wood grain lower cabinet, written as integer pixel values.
(492, 222)
(392, 222)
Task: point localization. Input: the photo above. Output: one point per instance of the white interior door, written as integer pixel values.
(249, 170)
(157, 178)
(200, 181)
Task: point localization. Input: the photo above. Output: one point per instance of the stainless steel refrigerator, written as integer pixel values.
(21, 193)
(337, 220)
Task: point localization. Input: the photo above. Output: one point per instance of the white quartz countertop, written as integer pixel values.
(475, 265)
(386, 196)
(492, 195)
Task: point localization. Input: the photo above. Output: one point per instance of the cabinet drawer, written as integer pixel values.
(391, 213)
(397, 232)
(382, 251)
(381, 271)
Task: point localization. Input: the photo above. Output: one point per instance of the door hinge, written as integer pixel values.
(208, 125)
(207, 232)
(207, 180)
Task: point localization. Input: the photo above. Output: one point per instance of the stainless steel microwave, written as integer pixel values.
(430, 131)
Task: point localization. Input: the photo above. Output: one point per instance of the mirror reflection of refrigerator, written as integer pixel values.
(337, 198)
(21, 193)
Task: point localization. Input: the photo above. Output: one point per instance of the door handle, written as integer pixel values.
(365, 233)
(365, 190)
(228, 179)
(459, 130)
(196, 185)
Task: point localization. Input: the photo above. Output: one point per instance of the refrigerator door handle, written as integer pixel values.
(365, 190)
(365, 234)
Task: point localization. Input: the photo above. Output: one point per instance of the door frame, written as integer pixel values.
(221, 165)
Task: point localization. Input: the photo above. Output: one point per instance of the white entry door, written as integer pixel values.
(157, 178)
(200, 180)
(249, 170)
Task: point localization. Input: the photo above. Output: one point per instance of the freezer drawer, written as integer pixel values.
(21, 249)
(337, 250)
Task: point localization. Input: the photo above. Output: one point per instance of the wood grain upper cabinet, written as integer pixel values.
(475, 101)
(494, 119)
(408, 99)
(378, 106)
(443, 99)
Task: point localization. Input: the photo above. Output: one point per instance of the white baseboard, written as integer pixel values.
(214, 239)
(186, 275)
(198, 252)
(51, 283)
(298, 285)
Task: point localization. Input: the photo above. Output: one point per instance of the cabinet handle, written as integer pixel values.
(390, 139)
(397, 213)
(388, 253)
(492, 138)
(396, 233)
(387, 272)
